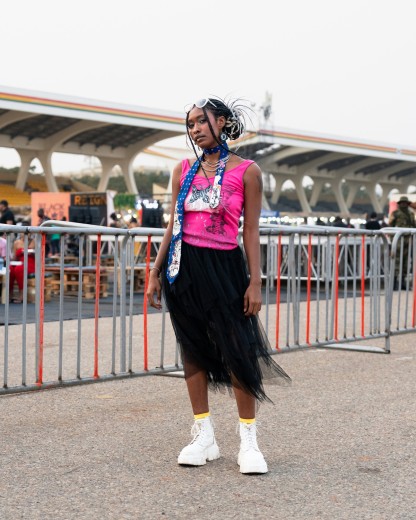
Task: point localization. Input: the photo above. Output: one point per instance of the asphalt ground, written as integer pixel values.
(340, 443)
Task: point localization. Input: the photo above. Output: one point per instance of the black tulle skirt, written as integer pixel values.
(206, 308)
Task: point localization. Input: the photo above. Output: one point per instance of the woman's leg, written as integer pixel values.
(55, 244)
(196, 381)
(246, 403)
(12, 278)
(203, 446)
(16, 275)
(250, 459)
(19, 277)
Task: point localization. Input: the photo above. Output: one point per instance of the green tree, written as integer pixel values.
(124, 201)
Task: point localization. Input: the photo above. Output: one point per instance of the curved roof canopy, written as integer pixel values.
(38, 124)
(331, 161)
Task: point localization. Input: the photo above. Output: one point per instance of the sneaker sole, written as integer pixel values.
(253, 469)
(211, 453)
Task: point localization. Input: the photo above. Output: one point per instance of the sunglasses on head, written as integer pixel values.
(201, 103)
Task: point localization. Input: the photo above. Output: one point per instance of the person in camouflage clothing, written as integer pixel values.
(405, 218)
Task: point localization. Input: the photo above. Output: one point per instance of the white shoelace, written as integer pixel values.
(248, 436)
(198, 431)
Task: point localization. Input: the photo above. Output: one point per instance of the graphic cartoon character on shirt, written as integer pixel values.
(201, 194)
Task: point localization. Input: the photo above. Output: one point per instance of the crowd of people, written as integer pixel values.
(372, 221)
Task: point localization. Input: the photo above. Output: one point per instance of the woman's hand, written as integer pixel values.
(153, 287)
(252, 299)
(252, 207)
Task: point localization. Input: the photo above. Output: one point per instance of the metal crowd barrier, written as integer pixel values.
(324, 287)
(402, 301)
(334, 283)
(40, 353)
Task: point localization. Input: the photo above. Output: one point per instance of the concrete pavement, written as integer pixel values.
(340, 444)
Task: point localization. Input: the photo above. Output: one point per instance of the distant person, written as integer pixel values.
(55, 244)
(114, 221)
(383, 219)
(7, 216)
(349, 225)
(3, 248)
(66, 239)
(55, 240)
(373, 222)
(338, 222)
(42, 217)
(402, 217)
(17, 270)
(133, 223)
(3, 258)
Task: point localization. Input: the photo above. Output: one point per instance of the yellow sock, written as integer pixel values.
(248, 421)
(202, 415)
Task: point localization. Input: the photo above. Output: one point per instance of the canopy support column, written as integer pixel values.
(318, 184)
(107, 166)
(340, 197)
(128, 172)
(302, 195)
(26, 158)
(278, 187)
(374, 199)
(45, 159)
(352, 192)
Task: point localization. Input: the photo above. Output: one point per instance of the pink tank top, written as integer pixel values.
(215, 228)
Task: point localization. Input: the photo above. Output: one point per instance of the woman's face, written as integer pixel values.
(199, 129)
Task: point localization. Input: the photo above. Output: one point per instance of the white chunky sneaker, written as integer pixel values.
(250, 459)
(203, 446)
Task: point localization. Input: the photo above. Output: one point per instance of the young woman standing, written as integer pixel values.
(212, 299)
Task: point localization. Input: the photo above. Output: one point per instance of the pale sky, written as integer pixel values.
(332, 67)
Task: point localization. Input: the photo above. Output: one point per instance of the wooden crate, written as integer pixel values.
(71, 281)
(138, 280)
(105, 260)
(31, 288)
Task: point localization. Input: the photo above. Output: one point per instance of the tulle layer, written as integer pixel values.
(206, 308)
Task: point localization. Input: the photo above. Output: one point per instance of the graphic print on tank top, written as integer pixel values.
(199, 194)
(198, 200)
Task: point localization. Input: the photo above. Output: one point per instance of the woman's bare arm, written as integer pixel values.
(253, 192)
